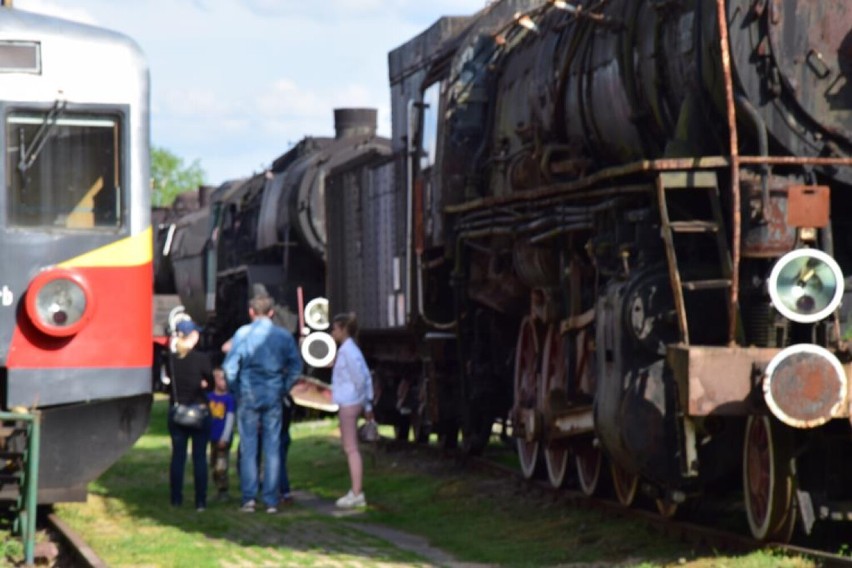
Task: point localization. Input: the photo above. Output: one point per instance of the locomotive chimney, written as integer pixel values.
(354, 122)
(204, 192)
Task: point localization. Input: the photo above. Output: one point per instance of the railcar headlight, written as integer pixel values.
(59, 302)
(806, 285)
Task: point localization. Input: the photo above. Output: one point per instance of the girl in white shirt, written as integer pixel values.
(352, 390)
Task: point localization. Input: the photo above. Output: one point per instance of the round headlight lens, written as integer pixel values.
(59, 302)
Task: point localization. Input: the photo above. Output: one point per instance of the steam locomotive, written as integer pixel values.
(608, 223)
(613, 223)
(75, 245)
(214, 249)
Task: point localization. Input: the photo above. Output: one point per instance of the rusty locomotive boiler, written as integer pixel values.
(623, 226)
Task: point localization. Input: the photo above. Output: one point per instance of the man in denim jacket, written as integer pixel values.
(261, 367)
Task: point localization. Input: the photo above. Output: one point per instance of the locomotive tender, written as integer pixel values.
(622, 224)
(75, 243)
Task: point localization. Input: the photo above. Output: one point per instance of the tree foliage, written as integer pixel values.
(170, 176)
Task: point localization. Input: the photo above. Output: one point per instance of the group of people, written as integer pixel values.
(252, 390)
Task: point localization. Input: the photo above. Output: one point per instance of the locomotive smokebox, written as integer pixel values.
(354, 122)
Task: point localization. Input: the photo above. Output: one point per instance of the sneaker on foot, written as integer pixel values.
(286, 500)
(201, 509)
(248, 507)
(272, 510)
(350, 500)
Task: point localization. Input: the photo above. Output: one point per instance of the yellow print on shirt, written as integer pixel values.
(217, 409)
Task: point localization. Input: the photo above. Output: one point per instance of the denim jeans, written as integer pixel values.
(180, 440)
(249, 418)
(284, 484)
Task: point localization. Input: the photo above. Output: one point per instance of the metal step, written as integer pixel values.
(7, 431)
(10, 493)
(10, 477)
(716, 284)
(694, 226)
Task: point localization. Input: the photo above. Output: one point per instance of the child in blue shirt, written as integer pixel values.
(222, 407)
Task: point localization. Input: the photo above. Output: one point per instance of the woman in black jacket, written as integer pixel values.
(192, 373)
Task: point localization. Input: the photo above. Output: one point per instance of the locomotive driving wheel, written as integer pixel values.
(589, 462)
(667, 508)
(526, 387)
(768, 480)
(421, 421)
(626, 484)
(553, 374)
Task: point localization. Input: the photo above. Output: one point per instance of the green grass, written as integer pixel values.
(128, 521)
(476, 517)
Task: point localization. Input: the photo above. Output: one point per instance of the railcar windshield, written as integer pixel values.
(63, 169)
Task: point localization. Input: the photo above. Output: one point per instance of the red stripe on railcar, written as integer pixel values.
(118, 334)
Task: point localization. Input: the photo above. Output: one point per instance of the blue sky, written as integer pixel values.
(234, 83)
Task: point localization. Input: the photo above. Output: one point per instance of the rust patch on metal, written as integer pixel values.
(717, 380)
(806, 389)
(771, 236)
(808, 206)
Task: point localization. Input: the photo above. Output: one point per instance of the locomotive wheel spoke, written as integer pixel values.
(526, 364)
(768, 480)
(554, 378)
(589, 462)
(626, 484)
(556, 460)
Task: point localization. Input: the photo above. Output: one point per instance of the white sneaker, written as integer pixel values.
(350, 500)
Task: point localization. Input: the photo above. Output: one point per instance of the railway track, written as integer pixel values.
(74, 552)
(694, 533)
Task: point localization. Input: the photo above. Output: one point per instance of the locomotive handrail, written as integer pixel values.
(734, 146)
(638, 167)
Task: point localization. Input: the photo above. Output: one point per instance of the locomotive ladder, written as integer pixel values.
(20, 434)
(696, 182)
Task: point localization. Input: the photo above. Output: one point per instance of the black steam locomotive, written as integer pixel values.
(215, 247)
(613, 223)
(618, 226)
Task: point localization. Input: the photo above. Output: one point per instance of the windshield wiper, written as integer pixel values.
(42, 135)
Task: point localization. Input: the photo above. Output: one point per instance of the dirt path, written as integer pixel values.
(404, 541)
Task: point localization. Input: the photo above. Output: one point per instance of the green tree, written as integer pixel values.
(170, 177)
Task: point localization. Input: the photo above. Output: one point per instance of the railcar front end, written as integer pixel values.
(75, 243)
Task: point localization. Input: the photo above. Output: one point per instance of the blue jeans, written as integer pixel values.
(284, 484)
(180, 440)
(249, 417)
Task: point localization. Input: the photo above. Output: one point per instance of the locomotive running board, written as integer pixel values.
(717, 380)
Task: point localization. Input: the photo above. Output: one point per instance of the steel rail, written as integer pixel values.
(72, 542)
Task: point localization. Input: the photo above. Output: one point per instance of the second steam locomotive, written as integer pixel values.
(620, 226)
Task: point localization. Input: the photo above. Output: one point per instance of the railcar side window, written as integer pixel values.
(63, 169)
(428, 141)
